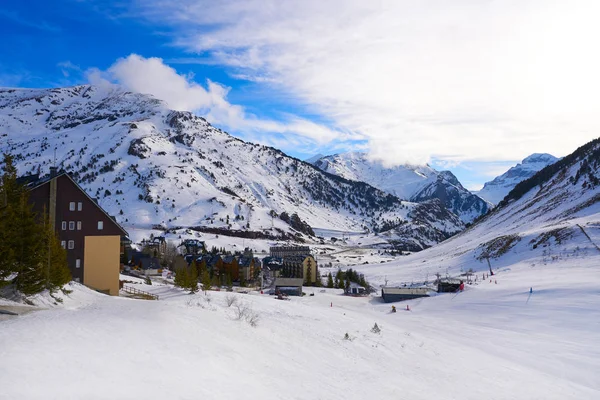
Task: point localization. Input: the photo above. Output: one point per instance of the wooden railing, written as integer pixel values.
(140, 293)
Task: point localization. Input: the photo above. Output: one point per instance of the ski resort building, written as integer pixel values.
(92, 238)
(304, 267)
(289, 251)
(391, 294)
(296, 261)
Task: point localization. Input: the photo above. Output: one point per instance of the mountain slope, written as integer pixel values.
(495, 190)
(150, 166)
(414, 183)
(552, 217)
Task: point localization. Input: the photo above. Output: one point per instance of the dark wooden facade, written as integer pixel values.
(76, 215)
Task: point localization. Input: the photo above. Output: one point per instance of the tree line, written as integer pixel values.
(343, 279)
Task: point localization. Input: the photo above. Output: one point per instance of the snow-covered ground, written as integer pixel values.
(529, 332)
(493, 341)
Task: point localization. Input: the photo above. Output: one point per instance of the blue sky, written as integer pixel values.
(469, 86)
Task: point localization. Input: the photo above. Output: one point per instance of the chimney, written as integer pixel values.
(52, 199)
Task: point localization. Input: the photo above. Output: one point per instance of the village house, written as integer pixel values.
(157, 244)
(273, 266)
(193, 246)
(231, 267)
(92, 238)
(246, 268)
(304, 267)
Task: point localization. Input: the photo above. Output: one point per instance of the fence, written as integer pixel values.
(141, 293)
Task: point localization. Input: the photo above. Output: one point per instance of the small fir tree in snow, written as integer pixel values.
(330, 281)
(205, 280)
(375, 328)
(193, 279)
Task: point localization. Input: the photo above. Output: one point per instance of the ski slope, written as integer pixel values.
(493, 341)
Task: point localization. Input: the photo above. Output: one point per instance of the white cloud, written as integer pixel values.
(455, 80)
(181, 92)
(67, 67)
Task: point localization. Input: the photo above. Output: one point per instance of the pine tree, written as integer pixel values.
(181, 277)
(10, 193)
(58, 273)
(205, 280)
(193, 279)
(347, 284)
(330, 281)
(307, 280)
(27, 238)
(339, 279)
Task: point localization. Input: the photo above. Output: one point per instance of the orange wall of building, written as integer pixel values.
(102, 261)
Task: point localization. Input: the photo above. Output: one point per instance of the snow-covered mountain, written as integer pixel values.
(550, 217)
(151, 166)
(495, 190)
(416, 183)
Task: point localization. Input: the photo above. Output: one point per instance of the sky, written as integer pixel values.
(473, 86)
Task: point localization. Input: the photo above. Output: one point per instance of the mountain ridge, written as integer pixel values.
(151, 166)
(495, 190)
(415, 183)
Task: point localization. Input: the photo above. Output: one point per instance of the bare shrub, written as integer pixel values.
(231, 300)
(252, 318)
(243, 311)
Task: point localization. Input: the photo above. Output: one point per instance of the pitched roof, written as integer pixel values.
(41, 182)
(228, 259)
(245, 261)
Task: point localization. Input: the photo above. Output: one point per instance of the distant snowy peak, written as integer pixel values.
(540, 158)
(402, 180)
(417, 183)
(314, 158)
(495, 190)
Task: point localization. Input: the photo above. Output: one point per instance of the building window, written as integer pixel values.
(71, 225)
(78, 225)
(63, 244)
(64, 225)
(79, 206)
(78, 263)
(100, 225)
(72, 206)
(71, 244)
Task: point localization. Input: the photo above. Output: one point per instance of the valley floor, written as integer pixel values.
(493, 341)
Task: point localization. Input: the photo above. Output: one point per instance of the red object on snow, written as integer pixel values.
(461, 287)
(407, 308)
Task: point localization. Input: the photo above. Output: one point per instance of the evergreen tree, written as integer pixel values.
(205, 280)
(339, 279)
(181, 277)
(347, 284)
(10, 194)
(58, 273)
(330, 281)
(193, 279)
(307, 280)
